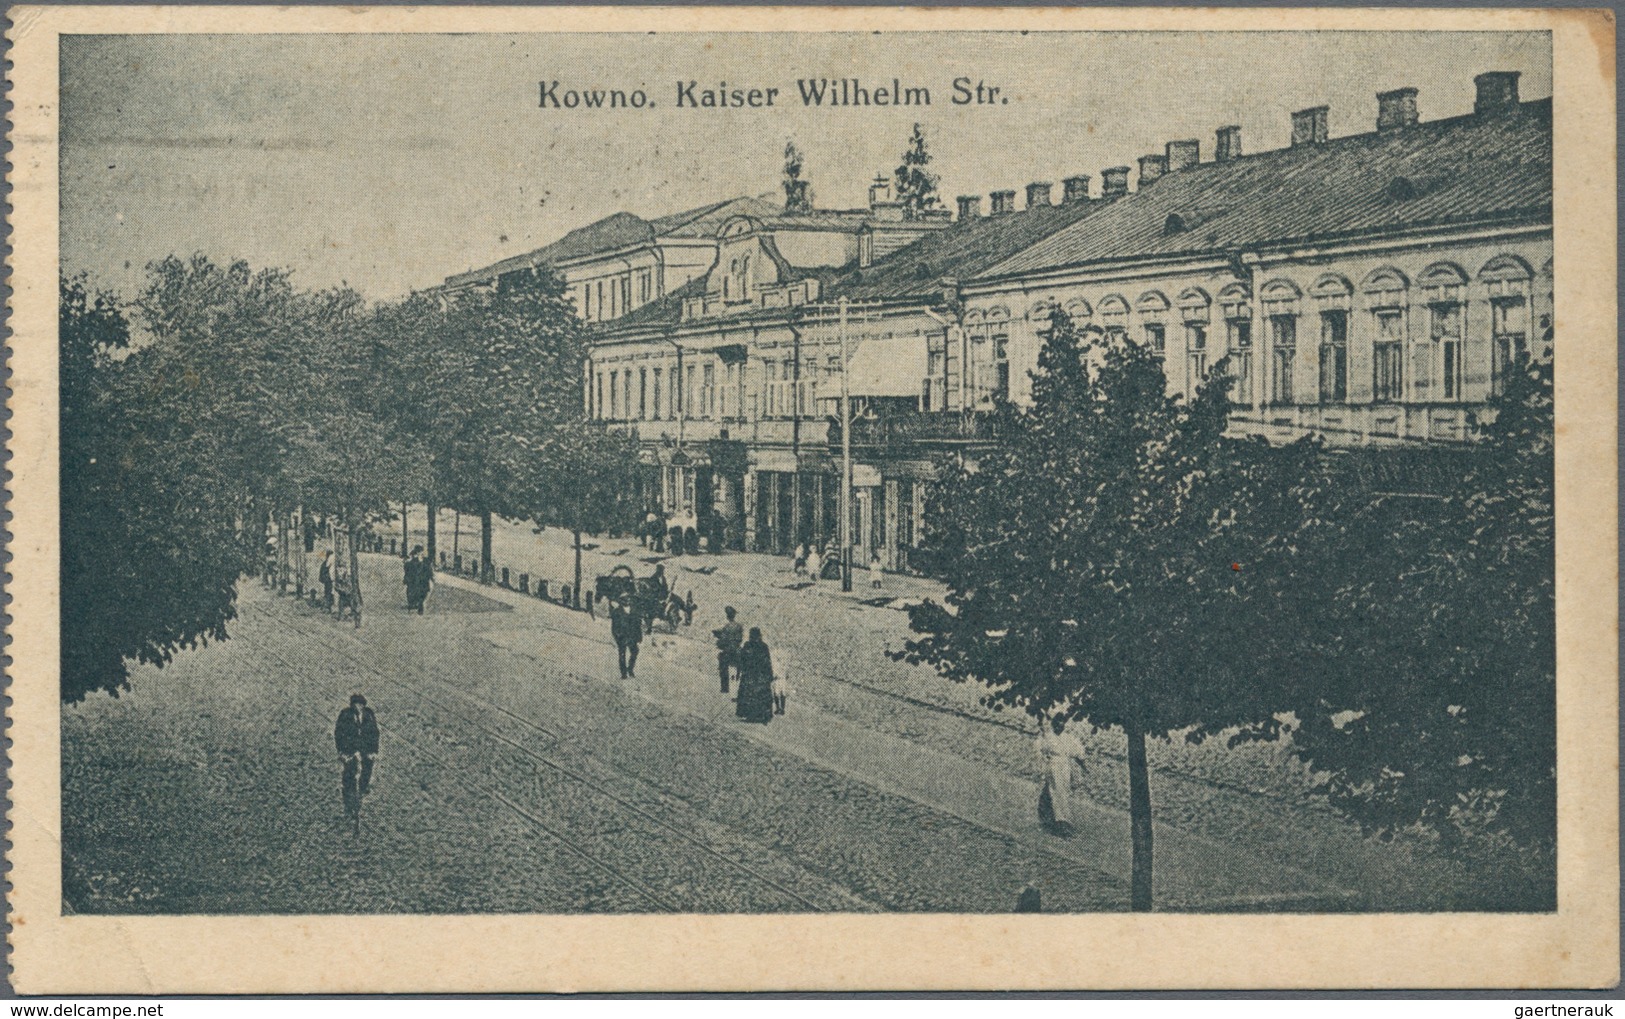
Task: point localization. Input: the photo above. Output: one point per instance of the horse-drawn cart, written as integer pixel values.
(647, 597)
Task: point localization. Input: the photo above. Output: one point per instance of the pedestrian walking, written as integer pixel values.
(730, 637)
(419, 580)
(799, 564)
(755, 700)
(815, 563)
(627, 629)
(780, 687)
(325, 575)
(874, 570)
(1057, 749)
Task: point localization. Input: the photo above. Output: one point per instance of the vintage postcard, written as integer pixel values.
(626, 499)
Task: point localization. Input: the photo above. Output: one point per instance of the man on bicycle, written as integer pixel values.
(356, 737)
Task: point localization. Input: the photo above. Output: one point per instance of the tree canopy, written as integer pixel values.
(915, 185)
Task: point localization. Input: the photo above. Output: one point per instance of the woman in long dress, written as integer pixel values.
(755, 701)
(1058, 749)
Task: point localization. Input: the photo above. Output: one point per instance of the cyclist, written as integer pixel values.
(355, 734)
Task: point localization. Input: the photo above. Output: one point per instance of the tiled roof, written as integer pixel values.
(666, 310)
(961, 251)
(705, 221)
(1475, 168)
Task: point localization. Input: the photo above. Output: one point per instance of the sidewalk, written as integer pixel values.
(677, 673)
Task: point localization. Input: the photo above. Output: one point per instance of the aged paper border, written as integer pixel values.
(1578, 946)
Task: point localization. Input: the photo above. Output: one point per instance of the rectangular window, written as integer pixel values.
(1284, 350)
(645, 280)
(1334, 356)
(1387, 360)
(1196, 353)
(655, 405)
(1445, 331)
(626, 294)
(1156, 338)
(598, 395)
(1509, 338)
(643, 394)
(1240, 338)
(614, 395)
(688, 405)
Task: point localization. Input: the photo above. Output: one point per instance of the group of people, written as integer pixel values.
(338, 587)
(762, 692)
(817, 564)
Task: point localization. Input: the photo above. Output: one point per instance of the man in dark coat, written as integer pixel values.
(730, 636)
(419, 580)
(355, 734)
(627, 629)
(325, 575)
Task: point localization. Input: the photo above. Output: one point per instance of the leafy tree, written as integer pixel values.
(502, 373)
(916, 187)
(583, 472)
(150, 545)
(1436, 706)
(1118, 561)
(796, 197)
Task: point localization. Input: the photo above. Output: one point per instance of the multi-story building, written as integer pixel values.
(1369, 289)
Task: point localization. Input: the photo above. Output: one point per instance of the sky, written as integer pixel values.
(388, 162)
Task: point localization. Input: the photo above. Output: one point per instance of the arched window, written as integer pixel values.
(1113, 312)
(1506, 279)
(1444, 291)
(1196, 311)
(1079, 312)
(1281, 297)
(1236, 304)
(1153, 309)
(1038, 316)
(1385, 293)
(1333, 295)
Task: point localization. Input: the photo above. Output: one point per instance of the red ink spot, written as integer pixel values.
(1236, 567)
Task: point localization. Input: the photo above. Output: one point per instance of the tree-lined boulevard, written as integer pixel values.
(1116, 560)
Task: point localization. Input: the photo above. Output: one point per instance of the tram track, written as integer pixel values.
(553, 765)
(1162, 771)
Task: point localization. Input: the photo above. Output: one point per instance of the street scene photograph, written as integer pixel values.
(792, 473)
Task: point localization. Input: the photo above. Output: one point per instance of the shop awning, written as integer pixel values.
(890, 367)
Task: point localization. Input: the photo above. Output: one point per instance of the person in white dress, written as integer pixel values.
(1058, 749)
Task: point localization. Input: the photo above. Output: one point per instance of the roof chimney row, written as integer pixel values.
(970, 207)
(1497, 91)
(1309, 126)
(1114, 182)
(1038, 193)
(1075, 189)
(1183, 154)
(1229, 143)
(1396, 110)
(1004, 202)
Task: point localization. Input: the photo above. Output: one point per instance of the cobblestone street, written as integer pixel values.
(518, 775)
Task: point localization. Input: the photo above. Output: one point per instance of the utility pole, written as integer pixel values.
(846, 461)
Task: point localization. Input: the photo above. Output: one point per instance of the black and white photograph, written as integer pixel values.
(969, 472)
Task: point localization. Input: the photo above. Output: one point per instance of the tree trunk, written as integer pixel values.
(487, 567)
(405, 534)
(1139, 814)
(575, 590)
(434, 516)
(355, 568)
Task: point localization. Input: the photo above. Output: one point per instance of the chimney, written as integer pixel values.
(1229, 143)
(1497, 91)
(1396, 109)
(1152, 167)
(795, 196)
(1075, 189)
(1183, 153)
(1003, 202)
(1309, 126)
(970, 207)
(1114, 182)
(1038, 194)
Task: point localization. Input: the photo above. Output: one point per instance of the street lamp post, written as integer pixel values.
(846, 461)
